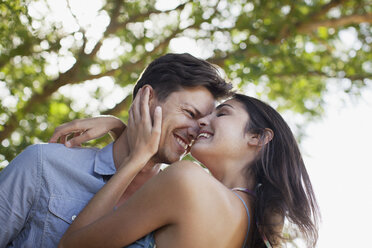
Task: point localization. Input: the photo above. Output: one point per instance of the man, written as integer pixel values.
(46, 186)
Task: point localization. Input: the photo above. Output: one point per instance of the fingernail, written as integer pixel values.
(158, 109)
(68, 143)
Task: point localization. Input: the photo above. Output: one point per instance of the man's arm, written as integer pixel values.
(18, 189)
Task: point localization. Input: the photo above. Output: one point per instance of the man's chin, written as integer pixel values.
(168, 159)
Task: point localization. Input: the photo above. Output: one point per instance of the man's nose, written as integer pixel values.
(192, 132)
(202, 122)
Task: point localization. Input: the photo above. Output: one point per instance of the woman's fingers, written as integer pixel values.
(131, 118)
(145, 112)
(63, 139)
(64, 130)
(80, 138)
(83, 130)
(136, 107)
(77, 135)
(156, 130)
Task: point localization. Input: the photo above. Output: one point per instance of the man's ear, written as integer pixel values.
(152, 97)
(260, 139)
(152, 92)
(153, 100)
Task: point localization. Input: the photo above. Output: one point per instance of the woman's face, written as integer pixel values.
(222, 136)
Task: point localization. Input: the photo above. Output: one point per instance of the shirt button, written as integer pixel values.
(73, 217)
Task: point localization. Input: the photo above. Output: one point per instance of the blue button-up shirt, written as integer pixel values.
(45, 187)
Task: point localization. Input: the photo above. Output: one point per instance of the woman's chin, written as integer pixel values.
(196, 148)
(199, 152)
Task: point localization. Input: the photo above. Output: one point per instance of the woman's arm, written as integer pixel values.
(181, 199)
(87, 129)
(155, 205)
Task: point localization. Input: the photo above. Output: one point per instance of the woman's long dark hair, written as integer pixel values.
(283, 185)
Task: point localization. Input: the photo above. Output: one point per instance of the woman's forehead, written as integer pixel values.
(231, 103)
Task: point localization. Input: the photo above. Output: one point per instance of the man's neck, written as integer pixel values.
(120, 153)
(120, 149)
(141, 178)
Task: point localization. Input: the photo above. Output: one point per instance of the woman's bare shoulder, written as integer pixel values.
(185, 164)
(188, 173)
(202, 199)
(194, 181)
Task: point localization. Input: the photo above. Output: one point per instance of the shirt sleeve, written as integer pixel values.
(18, 187)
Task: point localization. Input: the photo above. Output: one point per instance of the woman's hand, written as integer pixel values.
(143, 139)
(84, 130)
(143, 134)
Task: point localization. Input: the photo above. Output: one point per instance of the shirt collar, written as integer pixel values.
(104, 161)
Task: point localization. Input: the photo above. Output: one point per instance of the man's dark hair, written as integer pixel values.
(173, 72)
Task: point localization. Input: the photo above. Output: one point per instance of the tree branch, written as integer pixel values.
(121, 106)
(125, 103)
(71, 77)
(306, 27)
(322, 74)
(36, 98)
(219, 60)
(309, 20)
(24, 49)
(9, 127)
(109, 29)
(137, 65)
(115, 26)
(324, 9)
(335, 22)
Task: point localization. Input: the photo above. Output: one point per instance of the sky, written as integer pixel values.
(337, 154)
(336, 149)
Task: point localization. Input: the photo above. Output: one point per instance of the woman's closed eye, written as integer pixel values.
(220, 113)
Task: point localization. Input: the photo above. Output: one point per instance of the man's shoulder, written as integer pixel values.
(59, 151)
(39, 153)
(78, 157)
(60, 148)
(52, 148)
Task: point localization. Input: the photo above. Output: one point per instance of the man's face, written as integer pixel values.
(180, 112)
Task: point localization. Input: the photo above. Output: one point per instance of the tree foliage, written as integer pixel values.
(61, 60)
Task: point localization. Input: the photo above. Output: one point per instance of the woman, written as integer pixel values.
(257, 180)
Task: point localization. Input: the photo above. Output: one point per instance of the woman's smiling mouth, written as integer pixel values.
(205, 135)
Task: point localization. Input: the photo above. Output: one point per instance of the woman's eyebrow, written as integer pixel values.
(224, 105)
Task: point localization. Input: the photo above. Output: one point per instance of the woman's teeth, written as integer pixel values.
(205, 135)
(183, 144)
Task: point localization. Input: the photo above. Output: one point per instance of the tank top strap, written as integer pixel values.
(245, 190)
(249, 217)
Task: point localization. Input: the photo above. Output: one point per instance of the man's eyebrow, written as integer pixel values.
(224, 105)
